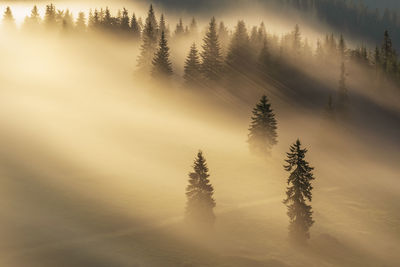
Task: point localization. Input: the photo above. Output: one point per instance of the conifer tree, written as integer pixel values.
(107, 22)
(200, 202)
(8, 19)
(239, 56)
(223, 38)
(387, 53)
(67, 21)
(163, 26)
(264, 59)
(179, 30)
(149, 43)
(124, 23)
(211, 54)
(296, 35)
(192, 69)
(81, 22)
(193, 28)
(299, 193)
(33, 21)
(162, 67)
(135, 27)
(263, 135)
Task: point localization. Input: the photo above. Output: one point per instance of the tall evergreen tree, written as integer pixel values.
(200, 202)
(387, 53)
(298, 193)
(33, 21)
(223, 38)
(342, 47)
(211, 54)
(162, 67)
(192, 69)
(264, 60)
(8, 19)
(149, 43)
(163, 26)
(135, 27)
(193, 28)
(124, 23)
(239, 56)
(263, 135)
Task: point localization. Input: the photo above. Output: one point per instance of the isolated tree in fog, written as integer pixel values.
(211, 54)
(192, 69)
(263, 135)
(149, 45)
(200, 202)
(162, 66)
(299, 193)
(8, 19)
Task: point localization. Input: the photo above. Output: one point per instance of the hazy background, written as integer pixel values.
(94, 163)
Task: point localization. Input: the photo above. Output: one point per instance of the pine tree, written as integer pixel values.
(107, 21)
(239, 56)
(211, 54)
(264, 60)
(67, 21)
(179, 30)
(193, 28)
(124, 23)
(149, 45)
(298, 193)
(163, 26)
(387, 53)
(223, 38)
(32, 22)
(8, 19)
(192, 69)
(263, 135)
(296, 35)
(200, 202)
(81, 22)
(135, 27)
(162, 66)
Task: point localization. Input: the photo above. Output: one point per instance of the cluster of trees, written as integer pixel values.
(262, 136)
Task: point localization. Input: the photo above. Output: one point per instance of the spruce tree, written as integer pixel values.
(193, 28)
(387, 53)
(163, 26)
(264, 60)
(162, 67)
(263, 135)
(239, 56)
(192, 69)
(149, 43)
(200, 202)
(124, 23)
(179, 30)
(81, 22)
(135, 27)
(211, 54)
(8, 19)
(298, 193)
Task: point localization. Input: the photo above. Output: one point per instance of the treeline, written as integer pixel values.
(351, 17)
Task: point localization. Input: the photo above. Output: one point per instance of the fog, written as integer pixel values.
(94, 160)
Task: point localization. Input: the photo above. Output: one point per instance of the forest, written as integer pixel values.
(137, 135)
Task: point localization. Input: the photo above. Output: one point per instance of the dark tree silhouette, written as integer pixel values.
(343, 96)
(329, 112)
(8, 19)
(50, 16)
(298, 193)
(124, 23)
(135, 27)
(179, 30)
(149, 45)
(192, 69)
(200, 202)
(211, 54)
(162, 66)
(263, 135)
(239, 58)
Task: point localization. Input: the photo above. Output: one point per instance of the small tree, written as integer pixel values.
(200, 202)
(263, 135)
(192, 69)
(124, 23)
(162, 66)
(298, 193)
(81, 22)
(135, 27)
(8, 19)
